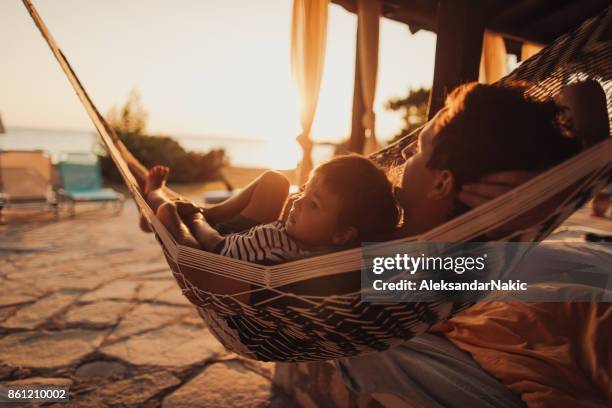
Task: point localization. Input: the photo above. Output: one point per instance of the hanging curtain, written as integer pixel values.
(308, 39)
(368, 25)
(493, 59)
(529, 49)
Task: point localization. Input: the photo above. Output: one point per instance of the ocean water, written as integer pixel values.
(241, 152)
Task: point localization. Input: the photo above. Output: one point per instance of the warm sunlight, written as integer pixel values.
(209, 82)
(215, 203)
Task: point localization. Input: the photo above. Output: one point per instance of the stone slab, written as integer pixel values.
(143, 268)
(172, 346)
(226, 384)
(147, 316)
(74, 280)
(174, 296)
(104, 312)
(122, 290)
(163, 275)
(42, 381)
(5, 312)
(42, 349)
(100, 369)
(14, 293)
(151, 290)
(131, 392)
(33, 315)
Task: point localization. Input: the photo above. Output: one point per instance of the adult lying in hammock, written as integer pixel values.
(482, 130)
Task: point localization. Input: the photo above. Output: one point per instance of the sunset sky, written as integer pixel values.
(202, 67)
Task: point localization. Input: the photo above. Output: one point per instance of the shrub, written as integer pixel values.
(185, 166)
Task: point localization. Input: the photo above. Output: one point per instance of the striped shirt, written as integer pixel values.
(264, 244)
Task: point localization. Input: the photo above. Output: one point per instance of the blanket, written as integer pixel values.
(551, 354)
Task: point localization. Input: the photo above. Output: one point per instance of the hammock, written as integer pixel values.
(311, 309)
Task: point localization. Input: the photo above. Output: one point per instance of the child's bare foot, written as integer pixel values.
(144, 224)
(168, 216)
(156, 178)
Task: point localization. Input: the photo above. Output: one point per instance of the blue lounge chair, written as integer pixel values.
(82, 182)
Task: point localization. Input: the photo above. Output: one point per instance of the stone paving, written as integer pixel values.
(89, 302)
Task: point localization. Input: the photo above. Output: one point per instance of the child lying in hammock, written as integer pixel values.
(346, 200)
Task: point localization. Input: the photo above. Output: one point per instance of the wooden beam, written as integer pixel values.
(563, 18)
(537, 21)
(518, 12)
(416, 14)
(357, 138)
(458, 48)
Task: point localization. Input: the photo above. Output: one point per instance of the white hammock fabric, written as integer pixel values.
(311, 309)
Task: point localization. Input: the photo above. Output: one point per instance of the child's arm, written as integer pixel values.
(261, 200)
(231, 207)
(191, 215)
(207, 236)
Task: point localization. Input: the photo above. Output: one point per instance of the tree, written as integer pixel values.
(414, 110)
(132, 118)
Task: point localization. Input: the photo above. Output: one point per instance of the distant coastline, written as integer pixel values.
(243, 152)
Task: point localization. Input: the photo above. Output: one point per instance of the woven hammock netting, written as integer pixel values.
(311, 309)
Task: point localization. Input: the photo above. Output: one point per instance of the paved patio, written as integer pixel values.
(89, 302)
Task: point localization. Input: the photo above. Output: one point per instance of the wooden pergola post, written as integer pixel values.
(458, 48)
(357, 138)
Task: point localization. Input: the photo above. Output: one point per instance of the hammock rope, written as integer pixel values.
(311, 309)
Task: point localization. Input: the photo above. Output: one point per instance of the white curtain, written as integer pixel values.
(493, 60)
(308, 39)
(368, 25)
(529, 49)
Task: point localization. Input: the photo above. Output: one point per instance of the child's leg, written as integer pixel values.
(262, 200)
(140, 173)
(268, 198)
(167, 215)
(154, 191)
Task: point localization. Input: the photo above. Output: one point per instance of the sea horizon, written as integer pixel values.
(242, 151)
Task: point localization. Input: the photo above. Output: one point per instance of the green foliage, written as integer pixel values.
(185, 166)
(413, 108)
(414, 112)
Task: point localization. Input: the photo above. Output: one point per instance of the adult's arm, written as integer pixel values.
(492, 186)
(497, 184)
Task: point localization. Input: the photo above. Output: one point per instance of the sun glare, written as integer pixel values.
(206, 69)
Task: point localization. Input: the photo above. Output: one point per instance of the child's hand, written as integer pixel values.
(187, 209)
(289, 204)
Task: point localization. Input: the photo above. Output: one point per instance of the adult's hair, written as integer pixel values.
(366, 195)
(485, 129)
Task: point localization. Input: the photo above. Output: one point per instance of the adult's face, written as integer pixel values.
(424, 193)
(416, 177)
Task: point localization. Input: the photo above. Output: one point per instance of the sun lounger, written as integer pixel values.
(25, 180)
(82, 182)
